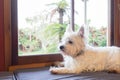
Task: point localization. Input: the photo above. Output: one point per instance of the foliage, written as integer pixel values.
(51, 34)
(28, 41)
(61, 4)
(97, 37)
(54, 29)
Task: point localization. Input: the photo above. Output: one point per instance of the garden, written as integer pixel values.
(44, 31)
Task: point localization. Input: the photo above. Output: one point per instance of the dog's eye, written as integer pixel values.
(70, 42)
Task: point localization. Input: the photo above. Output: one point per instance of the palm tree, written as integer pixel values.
(61, 8)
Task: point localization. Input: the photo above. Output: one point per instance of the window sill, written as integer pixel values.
(39, 59)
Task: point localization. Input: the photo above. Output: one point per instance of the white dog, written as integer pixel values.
(80, 57)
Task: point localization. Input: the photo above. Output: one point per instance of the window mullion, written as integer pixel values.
(72, 14)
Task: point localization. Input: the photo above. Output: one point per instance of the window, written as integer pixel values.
(41, 26)
(78, 21)
(95, 18)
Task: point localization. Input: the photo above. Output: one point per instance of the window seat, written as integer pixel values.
(7, 76)
(44, 74)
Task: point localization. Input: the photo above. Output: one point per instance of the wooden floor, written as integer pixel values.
(44, 74)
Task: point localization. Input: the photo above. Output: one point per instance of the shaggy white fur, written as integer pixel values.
(80, 57)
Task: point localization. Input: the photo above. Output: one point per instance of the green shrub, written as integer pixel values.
(97, 37)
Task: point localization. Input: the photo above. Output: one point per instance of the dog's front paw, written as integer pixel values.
(53, 70)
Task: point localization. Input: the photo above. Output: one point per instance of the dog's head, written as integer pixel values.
(72, 42)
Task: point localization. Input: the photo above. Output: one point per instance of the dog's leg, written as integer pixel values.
(61, 70)
(114, 69)
(59, 64)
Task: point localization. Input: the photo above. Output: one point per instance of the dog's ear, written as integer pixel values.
(81, 31)
(68, 29)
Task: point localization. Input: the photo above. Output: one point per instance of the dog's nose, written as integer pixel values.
(61, 47)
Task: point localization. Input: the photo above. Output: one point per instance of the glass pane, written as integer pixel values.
(96, 19)
(41, 23)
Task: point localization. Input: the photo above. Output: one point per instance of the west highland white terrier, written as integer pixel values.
(80, 57)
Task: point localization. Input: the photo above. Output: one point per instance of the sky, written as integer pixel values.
(97, 11)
